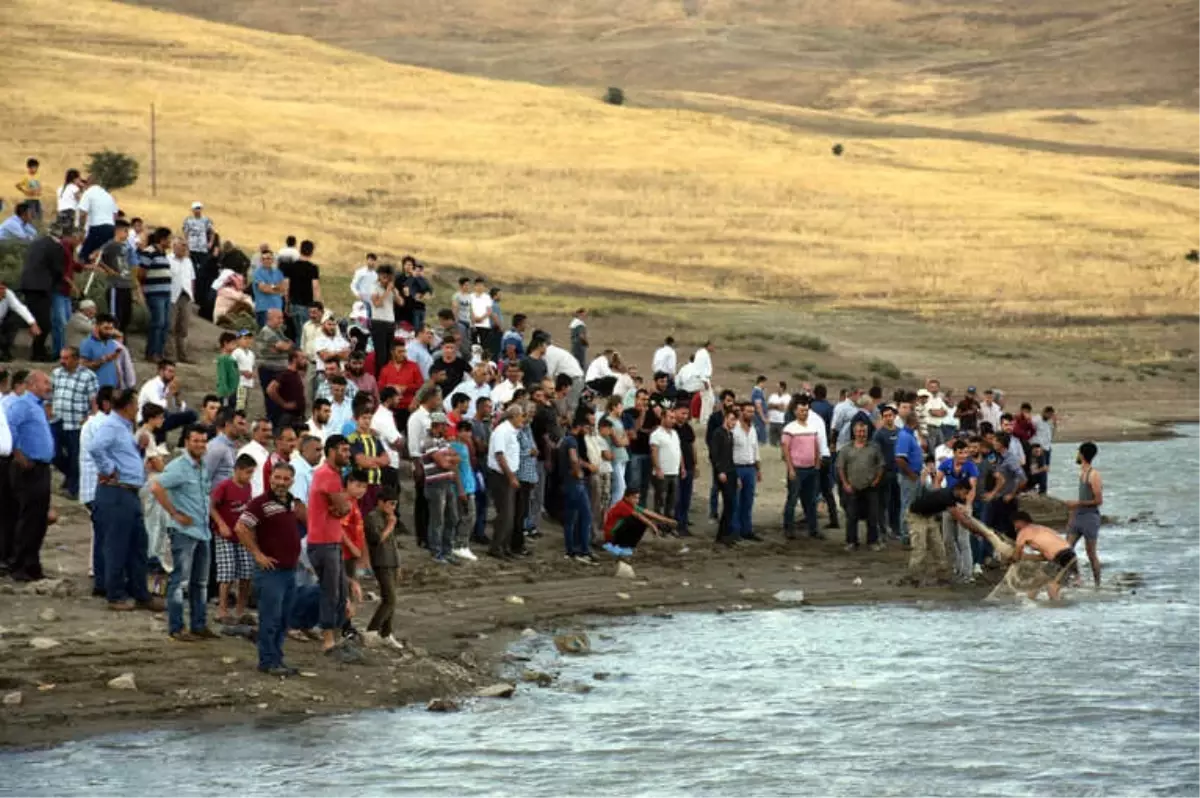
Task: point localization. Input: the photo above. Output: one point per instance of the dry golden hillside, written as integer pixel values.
(878, 55)
(279, 134)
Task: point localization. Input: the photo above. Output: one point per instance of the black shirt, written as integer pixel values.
(300, 275)
(455, 371)
(932, 502)
(639, 437)
(417, 285)
(533, 371)
(687, 444)
(545, 424)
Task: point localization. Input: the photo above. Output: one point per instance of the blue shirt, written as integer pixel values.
(270, 277)
(14, 228)
(825, 410)
(114, 451)
(30, 428)
(885, 439)
(968, 471)
(186, 482)
(909, 449)
(465, 472)
(92, 349)
(512, 337)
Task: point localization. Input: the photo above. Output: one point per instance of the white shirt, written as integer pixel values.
(777, 407)
(260, 455)
(68, 198)
(703, 361)
(598, 369)
(664, 360)
(504, 441)
(468, 386)
(1043, 433)
(670, 453)
(989, 413)
(99, 206)
(326, 343)
(363, 283)
(560, 361)
(222, 279)
(318, 431)
(745, 445)
(689, 378)
(418, 431)
(623, 385)
(11, 302)
(481, 305)
(936, 402)
(503, 393)
(383, 424)
(245, 362)
(6, 437)
(303, 480)
(340, 413)
(183, 277)
(287, 255)
(386, 309)
(154, 392)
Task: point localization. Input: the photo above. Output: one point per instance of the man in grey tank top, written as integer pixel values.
(1084, 521)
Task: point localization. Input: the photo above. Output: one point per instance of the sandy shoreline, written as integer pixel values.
(457, 623)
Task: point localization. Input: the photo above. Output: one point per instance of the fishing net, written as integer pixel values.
(1019, 579)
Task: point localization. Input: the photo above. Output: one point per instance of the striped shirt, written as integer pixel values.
(370, 446)
(87, 466)
(158, 271)
(433, 473)
(73, 392)
(527, 471)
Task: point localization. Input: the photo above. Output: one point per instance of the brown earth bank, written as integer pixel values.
(457, 622)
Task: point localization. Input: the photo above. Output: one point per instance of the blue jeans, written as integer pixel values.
(577, 518)
(802, 488)
(66, 459)
(418, 319)
(97, 550)
(60, 314)
(683, 503)
(639, 468)
(908, 492)
(305, 609)
(760, 431)
(299, 319)
(744, 513)
(121, 534)
(159, 306)
(190, 557)
(261, 317)
(713, 493)
(889, 504)
(274, 590)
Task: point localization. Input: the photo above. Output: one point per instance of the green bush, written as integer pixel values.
(741, 368)
(614, 96)
(12, 258)
(885, 368)
(113, 170)
(803, 341)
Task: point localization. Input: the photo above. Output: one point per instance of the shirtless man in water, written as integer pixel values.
(1058, 554)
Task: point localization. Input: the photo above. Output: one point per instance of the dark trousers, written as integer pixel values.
(577, 519)
(828, 479)
(266, 375)
(206, 275)
(504, 497)
(40, 304)
(727, 490)
(326, 559)
(122, 533)
(520, 514)
(683, 504)
(97, 236)
(8, 330)
(666, 492)
(862, 505)
(803, 489)
(31, 494)
(887, 496)
(8, 519)
(421, 513)
(1000, 516)
(628, 533)
(274, 589)
(381, 621)
(175, 420)
(120, 304)
(714, 491)
(66, 456)
(382, 335)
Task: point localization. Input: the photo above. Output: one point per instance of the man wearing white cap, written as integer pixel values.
(79, 326)
(198, 231)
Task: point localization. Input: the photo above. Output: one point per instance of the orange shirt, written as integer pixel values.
(352, 525)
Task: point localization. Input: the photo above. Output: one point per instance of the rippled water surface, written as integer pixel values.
(1098, 697)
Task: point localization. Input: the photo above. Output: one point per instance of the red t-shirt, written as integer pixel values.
(352, 525)
(275, 527)
(406, 378)
(72, 267)
(619, 511)
(323, 527)
(230, 499)
(269, 466)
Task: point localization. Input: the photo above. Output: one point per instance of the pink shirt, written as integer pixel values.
(805, 444)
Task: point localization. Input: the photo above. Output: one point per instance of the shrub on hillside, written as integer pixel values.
(113, 170)
(885, 368)
(12, 257)
(614, 96)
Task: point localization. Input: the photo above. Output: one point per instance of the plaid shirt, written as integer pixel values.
(325, 391)
(527, 470)
(73, 392)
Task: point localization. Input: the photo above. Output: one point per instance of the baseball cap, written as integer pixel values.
(87, 304)
(437, 418)
(970, 389)
(328, 316)
(197, 205)
(924, 393)
(244, 333)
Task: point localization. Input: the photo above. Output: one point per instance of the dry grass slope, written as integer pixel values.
(282, 134)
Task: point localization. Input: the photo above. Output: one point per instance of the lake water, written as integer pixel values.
(1097, 697)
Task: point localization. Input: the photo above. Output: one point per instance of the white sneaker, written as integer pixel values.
(393, 642)
(372, 639)
(465, 554)
(977, 570)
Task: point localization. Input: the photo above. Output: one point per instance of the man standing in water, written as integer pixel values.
(1084, 521)
(1058, 554)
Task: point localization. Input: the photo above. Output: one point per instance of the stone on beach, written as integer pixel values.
(537, 677)
(624, 571)
(499, 690)
(789, 595)
(442, 705)
(48, 615)
(13, 699)
(515, 600)
(123, 682)
(573, 643)
(43, 643)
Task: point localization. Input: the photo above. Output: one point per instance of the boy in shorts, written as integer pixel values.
(1058, 554)
(235, 564)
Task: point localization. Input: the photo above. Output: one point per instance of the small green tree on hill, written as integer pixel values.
(614, 96)
(113, 170)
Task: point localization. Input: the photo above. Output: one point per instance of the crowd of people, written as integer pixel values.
(476, 427)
